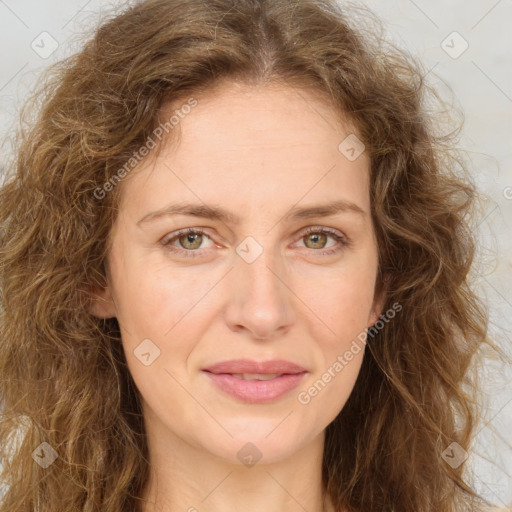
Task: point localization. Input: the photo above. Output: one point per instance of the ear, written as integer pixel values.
(379, 300)
(101, 303)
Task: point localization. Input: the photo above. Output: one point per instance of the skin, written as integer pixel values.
(257, 151)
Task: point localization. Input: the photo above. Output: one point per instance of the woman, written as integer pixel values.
(234, 274)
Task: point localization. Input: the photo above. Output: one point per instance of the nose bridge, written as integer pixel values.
(260, 300)
(256, 259)
(257, 267)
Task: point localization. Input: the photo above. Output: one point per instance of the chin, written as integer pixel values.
(258, 441)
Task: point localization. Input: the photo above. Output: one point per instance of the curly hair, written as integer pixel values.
(64, 378)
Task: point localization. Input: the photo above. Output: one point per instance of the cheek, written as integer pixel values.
(150, 299)
(329, 388)
(157, 308)
(166, 307)
(342, 301)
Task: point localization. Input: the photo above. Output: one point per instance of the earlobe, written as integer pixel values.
(379, 300)
(376, 312)
(101, 303)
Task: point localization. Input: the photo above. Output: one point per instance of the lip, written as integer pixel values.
(255, 391)
(249, 366)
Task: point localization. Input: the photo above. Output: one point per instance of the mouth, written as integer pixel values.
(256, 376)
(250, 367)
(255, 382)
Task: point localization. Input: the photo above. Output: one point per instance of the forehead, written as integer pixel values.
(272, 115)
(257, 144)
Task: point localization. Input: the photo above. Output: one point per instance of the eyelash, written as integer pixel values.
(341, 239)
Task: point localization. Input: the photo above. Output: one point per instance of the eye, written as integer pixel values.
(187, 242)
(317, 238)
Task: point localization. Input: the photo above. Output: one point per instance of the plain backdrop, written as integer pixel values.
(466, 50)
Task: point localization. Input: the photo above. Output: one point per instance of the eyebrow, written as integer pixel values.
(218, 213)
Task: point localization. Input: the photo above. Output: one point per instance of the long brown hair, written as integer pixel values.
(64, 378)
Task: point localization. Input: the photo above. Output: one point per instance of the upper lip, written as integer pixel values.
(236, 366)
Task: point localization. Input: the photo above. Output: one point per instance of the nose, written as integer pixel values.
(260, 301)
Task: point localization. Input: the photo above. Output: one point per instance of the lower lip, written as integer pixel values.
(256, 391)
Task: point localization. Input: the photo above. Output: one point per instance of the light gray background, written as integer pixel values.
(480, 78)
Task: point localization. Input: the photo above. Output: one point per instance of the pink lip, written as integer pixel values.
(249, 366)
(256, 391)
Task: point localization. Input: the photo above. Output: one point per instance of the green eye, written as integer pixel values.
(315, 238)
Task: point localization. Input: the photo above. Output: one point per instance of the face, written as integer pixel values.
(271, 280)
